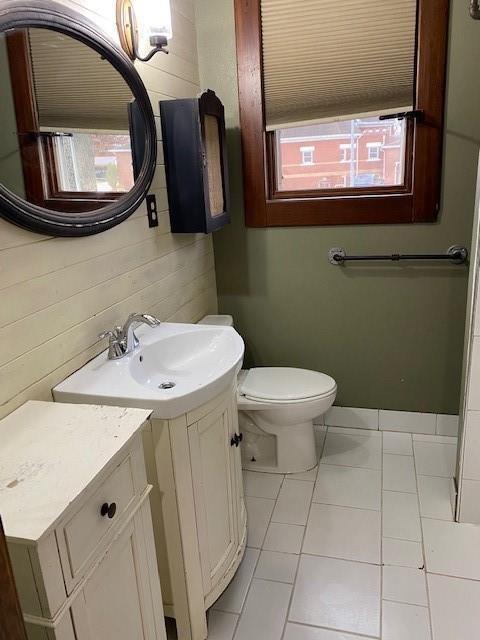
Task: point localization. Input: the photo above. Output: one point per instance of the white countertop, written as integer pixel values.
(50, 453)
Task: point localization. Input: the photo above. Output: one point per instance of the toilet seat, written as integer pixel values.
(285, 385)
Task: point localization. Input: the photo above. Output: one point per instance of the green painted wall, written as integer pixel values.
(391, 335)
(11, 174)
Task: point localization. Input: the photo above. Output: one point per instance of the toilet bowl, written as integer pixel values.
(276, 408)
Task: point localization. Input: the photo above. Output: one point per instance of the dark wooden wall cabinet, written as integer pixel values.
(194, 146)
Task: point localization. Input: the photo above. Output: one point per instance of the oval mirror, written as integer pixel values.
(77, 134)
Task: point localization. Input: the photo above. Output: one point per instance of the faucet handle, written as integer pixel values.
(115, 345)
(154, 322)
(107, 334)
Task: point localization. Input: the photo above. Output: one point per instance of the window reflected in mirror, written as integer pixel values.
(66, 142)
(93, 162)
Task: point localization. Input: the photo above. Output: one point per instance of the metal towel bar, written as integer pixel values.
(456, 255)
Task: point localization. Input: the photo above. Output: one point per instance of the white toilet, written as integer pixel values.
(277, 406)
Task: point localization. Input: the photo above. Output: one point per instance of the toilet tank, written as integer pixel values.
(220, 320)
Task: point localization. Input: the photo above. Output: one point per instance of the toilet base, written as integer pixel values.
(291, 451)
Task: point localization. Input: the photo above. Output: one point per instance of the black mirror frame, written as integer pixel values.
(17, 14)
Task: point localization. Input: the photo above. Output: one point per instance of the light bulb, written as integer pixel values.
(153, 17)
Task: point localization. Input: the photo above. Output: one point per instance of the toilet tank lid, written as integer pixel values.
(220, 320)
(286, 383)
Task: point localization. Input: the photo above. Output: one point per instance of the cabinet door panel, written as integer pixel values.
(215, 493)
(116, 601)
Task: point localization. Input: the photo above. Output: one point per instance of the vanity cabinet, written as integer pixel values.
(198, 508)
(74, 498)
(194, 466)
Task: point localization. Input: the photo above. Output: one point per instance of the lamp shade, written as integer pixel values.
(153, 18)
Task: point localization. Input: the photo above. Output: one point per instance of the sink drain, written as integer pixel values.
(166, 385)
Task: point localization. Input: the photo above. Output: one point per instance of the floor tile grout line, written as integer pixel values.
(425, 475)
(410, 604)
(342, 466)
(439, 519)
(273, 511)
(334, 630)
(322, 555)
(392, 453)
(412, 493)
(320, 454)
(349, 466)
(381, 543)
(387, 430)
(449, 575)
(260, 497)
(430, 619)
(272, 580)
(293, 584)
(257, 561)
(347, 506)
(403, 539)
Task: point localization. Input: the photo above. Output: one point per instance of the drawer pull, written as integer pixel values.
(108, 509)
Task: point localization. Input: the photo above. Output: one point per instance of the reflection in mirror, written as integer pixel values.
(64, 141)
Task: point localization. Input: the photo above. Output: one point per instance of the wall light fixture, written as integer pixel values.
(139, 20)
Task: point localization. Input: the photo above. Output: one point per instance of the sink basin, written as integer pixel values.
(176, 368)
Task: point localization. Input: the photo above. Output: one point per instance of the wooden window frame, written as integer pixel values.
(36, 150)
(416, 201)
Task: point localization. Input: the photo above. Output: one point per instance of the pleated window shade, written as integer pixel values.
(74, 87)
(331, 60)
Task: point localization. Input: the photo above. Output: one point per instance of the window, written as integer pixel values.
(373, 149)
(75, 142)
(369, 165)
(345, 152)
(307, 154)
(92, 162)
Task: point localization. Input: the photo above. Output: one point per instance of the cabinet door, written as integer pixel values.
(117, 600)
(215, 492)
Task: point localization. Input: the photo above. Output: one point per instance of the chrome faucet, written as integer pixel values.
(122, 340)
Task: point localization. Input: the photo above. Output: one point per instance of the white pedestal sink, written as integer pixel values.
(176, 368)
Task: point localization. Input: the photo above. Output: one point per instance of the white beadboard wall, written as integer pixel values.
(58, 294)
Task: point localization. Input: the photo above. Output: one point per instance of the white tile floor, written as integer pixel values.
(364, 546)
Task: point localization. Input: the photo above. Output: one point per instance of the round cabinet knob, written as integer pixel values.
(108, 509)
(235, 441)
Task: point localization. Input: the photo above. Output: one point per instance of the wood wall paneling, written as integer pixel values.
(57, 294)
